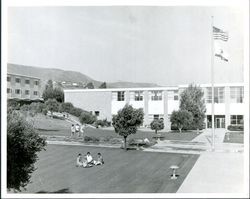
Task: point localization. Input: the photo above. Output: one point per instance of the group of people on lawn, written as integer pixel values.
(88, 160)
(77, 130)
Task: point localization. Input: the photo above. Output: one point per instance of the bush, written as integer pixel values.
(76, 111)
(91, 139)
(87, 118)
(115, 141)
(66, 107)
(102, 123)
(235, 127)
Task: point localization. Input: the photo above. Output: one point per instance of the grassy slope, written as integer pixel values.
(123, 172)
(62, 128)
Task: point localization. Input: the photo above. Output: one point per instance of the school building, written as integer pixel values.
(23, 87)
(160, 102)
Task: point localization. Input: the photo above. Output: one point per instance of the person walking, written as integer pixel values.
(77, 130)
(82, 129)
(73, 130)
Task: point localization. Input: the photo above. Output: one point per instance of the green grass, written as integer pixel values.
(123, 171)
(234, 137)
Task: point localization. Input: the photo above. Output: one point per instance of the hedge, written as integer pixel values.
(235, 128)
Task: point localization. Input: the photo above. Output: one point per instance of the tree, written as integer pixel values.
(127, 121)
(66, 107)
(23, 143)
(181, 118)
(90, 85)
(157, 125)
(192, 100)
(103, 85)
(53, 93)
(52, 105)
(58, 94)
(87, 118)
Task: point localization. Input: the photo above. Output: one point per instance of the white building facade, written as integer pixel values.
(160, 102)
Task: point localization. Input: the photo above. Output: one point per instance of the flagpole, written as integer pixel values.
(212, 82)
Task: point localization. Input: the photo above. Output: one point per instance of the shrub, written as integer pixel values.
(115, 141)
(76, 111)
(87, 118)
(91, 139)
(66, 107)
(235, 127)
(99, 123)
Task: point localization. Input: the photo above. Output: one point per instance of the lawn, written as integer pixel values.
(123, 171)
(57, 127)
(234, 137)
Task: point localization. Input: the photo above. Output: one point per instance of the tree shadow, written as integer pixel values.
(65, 190)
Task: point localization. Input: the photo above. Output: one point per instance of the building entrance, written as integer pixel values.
(219, 121)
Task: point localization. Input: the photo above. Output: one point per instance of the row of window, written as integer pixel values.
(236, 119)
(26, 81)
(138, 95)
(236, 95)
(18, 91)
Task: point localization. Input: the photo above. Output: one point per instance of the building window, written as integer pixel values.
(97, 113)
(18, 91)
(36, 82)
(9, 90)
(27, 81)
(138, 96)
(176, 97)
(219, 95)
(236, 94)
(8, 79)
(18, 80)
(236, 120)
(156, 95)
(27, 92)
(35, 93)
(120, 96)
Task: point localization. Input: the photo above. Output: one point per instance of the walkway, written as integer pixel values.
(216, 173)
(200, 144)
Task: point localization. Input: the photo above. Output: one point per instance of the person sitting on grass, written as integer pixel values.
(99, 160)
(89, 158)
(79, 162)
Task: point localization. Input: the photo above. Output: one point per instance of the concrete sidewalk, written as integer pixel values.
(216, 173)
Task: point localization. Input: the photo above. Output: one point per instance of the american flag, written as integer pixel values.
(219, 34)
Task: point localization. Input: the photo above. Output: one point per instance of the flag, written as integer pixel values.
(219, 34)
(219, 52)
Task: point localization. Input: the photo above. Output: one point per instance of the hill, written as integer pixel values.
(70, 77)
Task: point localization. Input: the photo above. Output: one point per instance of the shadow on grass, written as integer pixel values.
(66, 190)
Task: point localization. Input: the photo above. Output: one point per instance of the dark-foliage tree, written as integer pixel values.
(127, 121)
(193, 101)
(103, 85)
(90, 85)
(52, 93)
(23, 143)
(52, 105)
(181, 119)
(157, 125)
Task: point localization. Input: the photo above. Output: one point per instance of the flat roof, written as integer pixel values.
(150, 88)
(23, 75)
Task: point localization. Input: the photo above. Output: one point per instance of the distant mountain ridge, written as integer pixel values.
(60, 75)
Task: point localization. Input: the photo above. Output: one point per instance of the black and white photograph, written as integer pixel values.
(125, 99)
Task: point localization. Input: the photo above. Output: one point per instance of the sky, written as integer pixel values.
(163, 45)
